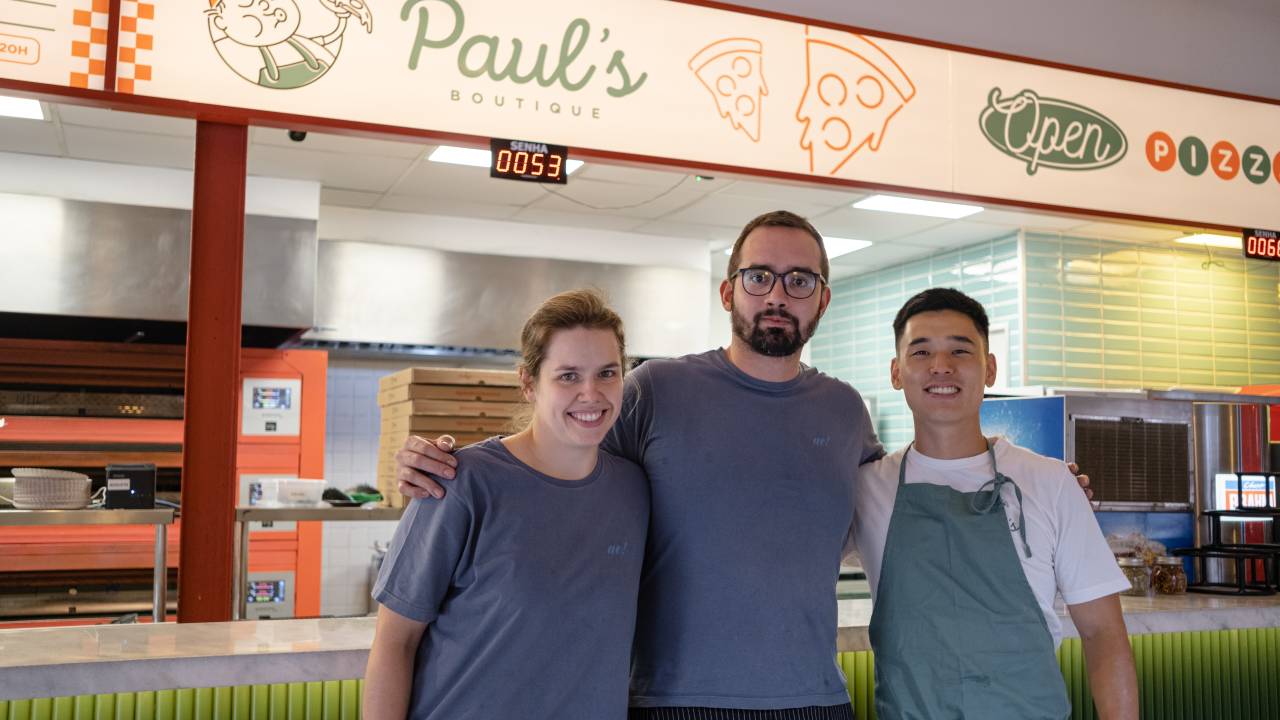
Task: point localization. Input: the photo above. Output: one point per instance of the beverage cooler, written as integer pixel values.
(1165, 467)
(84, 405)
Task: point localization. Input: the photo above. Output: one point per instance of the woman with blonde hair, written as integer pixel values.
(515, 595)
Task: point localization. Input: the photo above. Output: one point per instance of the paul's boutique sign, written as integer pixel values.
(708, 87)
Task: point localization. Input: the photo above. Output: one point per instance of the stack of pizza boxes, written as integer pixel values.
(470, 405)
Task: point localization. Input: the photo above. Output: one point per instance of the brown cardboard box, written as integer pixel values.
(449, 376)
(477, 393)
(450, 407)
(440, 424)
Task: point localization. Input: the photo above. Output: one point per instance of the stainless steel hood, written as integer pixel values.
(74, 259)
(414, 296)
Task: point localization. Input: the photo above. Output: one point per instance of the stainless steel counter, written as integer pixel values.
(161, 518)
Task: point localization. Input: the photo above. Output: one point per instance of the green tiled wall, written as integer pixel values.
(1104, 314)
(855, 340)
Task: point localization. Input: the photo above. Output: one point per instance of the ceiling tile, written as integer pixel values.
(126, 121)
(872, 225)
(335, 170)
(711, 233)
(614, 200)
(956, 233)
(454, 208)
(1026, 220)
(348, 198)
(460, 182)
(573, 219)
(632, 175)
(736, 210)
(130, 148)
(36, 137)
(882, 254)
(357, 146)
(784, 194)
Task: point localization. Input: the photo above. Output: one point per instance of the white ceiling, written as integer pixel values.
(395, 176)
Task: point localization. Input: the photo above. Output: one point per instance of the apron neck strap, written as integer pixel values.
(987, 499)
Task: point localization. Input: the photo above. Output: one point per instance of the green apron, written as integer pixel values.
(293, 75)
(956, 630)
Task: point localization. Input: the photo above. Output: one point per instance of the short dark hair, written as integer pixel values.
(778, 218)
(940, 298)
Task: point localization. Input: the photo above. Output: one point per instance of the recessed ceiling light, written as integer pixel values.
(23, 108)
(1222, 241)
(911, 206)
(479, 158)
(837, 246)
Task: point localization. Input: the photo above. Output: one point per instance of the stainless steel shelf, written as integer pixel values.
(247, 515)
(330, 514)
(159, 516)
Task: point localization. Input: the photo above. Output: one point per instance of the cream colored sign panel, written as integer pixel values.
(649, 78)
(673, 80)
(56, 42)
(1080, 140)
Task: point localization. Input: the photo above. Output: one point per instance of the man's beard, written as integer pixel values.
(772, 341)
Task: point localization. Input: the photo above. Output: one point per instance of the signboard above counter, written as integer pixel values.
(54, 42)
(704, 87)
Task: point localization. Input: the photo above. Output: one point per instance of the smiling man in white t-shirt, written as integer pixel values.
(966, 540)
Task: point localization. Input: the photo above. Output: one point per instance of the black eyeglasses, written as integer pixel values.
(799, 284)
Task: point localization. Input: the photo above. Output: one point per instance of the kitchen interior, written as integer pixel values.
(1147, 353)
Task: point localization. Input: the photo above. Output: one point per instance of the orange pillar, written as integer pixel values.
(206, 569)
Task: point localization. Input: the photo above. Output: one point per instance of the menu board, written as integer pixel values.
(55, 42)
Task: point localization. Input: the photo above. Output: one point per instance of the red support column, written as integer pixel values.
(205, 574)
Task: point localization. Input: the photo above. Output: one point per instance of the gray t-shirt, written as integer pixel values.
(529, 585)
(752, 490)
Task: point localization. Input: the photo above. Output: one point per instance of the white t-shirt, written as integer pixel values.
(1069, 555)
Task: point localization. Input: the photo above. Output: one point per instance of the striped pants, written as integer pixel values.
(815, 712)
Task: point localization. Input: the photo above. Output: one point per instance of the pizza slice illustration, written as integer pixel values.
(853, 89)
(732, 71)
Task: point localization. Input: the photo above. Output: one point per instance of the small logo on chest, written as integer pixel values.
(617, 550)
(822, 441)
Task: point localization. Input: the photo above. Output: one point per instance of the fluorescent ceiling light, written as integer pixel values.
(24, 108)
(1222, 241)
(911, 206)
(479, 158)
(837, 246)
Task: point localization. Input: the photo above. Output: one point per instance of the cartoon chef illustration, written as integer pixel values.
(853, 89)
(260, 39)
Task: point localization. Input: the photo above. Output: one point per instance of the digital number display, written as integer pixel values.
(265, 591)
(529, 161)
(1262, 244)
(271, 398)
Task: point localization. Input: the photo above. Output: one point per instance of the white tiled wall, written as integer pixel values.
(351, 458)
(348, 551)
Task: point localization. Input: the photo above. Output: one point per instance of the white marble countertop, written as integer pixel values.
(1142, 616)
(52, 662)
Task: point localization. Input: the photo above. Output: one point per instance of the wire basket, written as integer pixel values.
(40, 489)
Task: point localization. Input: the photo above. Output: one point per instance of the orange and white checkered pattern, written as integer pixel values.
(136, 17)
(89, 43)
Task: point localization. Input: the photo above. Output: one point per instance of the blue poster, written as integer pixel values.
(1038, 424)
